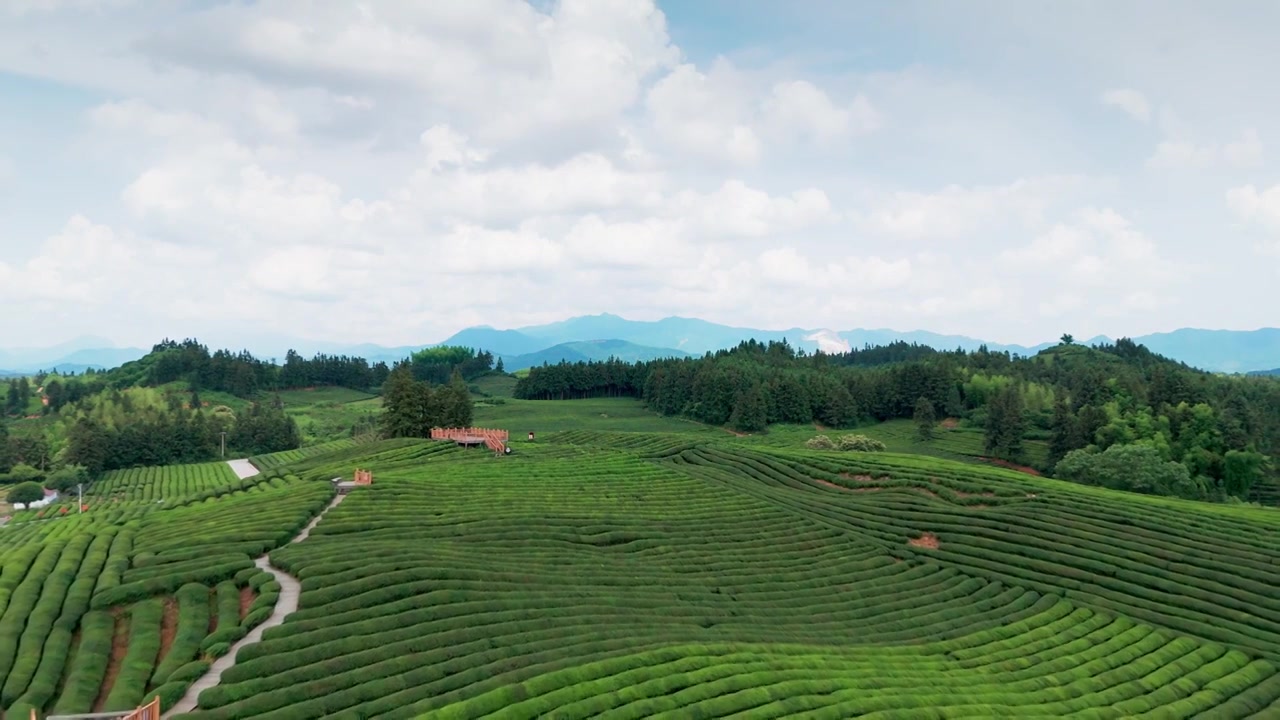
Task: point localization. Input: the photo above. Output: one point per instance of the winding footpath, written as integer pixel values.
(285, 604)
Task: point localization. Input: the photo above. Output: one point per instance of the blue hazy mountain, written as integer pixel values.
(585, 351)
(1233, 351)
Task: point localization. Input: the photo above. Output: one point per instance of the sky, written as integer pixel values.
(392, 171)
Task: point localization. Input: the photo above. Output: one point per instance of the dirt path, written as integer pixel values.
(286, 604)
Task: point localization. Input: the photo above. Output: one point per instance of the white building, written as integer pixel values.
(50, 496)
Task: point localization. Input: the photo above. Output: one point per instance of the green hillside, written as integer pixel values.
(682, 570)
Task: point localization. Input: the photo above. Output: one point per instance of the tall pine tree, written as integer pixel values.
(925, 418)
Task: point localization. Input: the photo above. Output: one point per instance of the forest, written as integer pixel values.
(150, 411)
(1116, 414)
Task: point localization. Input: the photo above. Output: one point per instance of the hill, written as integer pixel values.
(634, 573)
(587, 351)
(1214, 350)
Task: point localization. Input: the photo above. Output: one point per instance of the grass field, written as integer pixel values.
(327, 413)
(605, 414)
(628, 565)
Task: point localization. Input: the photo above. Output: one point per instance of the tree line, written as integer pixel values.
(1219, 430)
(412, 407)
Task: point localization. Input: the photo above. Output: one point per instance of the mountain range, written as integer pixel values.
(597, 337)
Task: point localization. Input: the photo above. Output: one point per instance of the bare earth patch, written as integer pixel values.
(929, 541)
(246, 599)
(213, 612)
(168, 627)
(119, 646)
(1011, 466)
(949, 424)
(859, 478)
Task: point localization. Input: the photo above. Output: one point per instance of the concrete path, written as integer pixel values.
(285, 604)
(243, 468)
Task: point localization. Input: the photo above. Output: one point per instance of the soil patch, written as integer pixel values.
(962, 494)
(949, 424)
(213, 612)
(247, 596)
(828, 483)
(168, 627)
(1011, 466)
(820, 427)
(929, 541)
(119, 646)
(859, 478)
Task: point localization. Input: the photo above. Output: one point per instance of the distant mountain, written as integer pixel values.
(700, 336)
(1213, 350)
(74, 356)
(1230, 351)
(1276, 371)
(499, 342)
(587, 336)
(585, 351)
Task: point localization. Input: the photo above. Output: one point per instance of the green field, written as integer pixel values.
(629, 565)
(606, 414)
(137, 596)
(325, 414)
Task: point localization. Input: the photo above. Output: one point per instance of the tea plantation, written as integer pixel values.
(628, 574)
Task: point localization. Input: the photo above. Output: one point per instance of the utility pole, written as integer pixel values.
(224, 443)
(80, 496)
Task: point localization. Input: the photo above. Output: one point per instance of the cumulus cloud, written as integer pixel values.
(1132, 102)
(392, 171)
(1246, 152)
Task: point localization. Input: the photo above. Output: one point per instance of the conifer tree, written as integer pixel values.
(925, 418)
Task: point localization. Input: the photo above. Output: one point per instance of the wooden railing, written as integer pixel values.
(150, 711)
(495, 440)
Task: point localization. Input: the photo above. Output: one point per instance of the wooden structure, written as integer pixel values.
(150, 711)
(495, 440)
(361, 477)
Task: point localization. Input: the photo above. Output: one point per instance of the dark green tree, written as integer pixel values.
(749, 411)
(1240, 470)
(500, 367)
(1005, 424)
(13, 400)
(454, 403)
(925, 418)
(6, 450)
(1064, 432)
(25, 493)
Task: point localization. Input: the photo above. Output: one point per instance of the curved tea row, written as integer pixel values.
(712, 583)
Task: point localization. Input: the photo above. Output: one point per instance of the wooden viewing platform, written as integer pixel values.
(495, 440)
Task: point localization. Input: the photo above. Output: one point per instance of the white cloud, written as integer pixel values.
(705, 114)
(798, 109)
(390, 171)
(1099, 250)
(1184, 155)
(957, 212)
(1260, 208)
(1132, 102)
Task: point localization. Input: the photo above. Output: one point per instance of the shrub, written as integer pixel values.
(821, 442)
(861, 443)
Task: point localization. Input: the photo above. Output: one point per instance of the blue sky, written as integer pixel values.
(273, 169)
